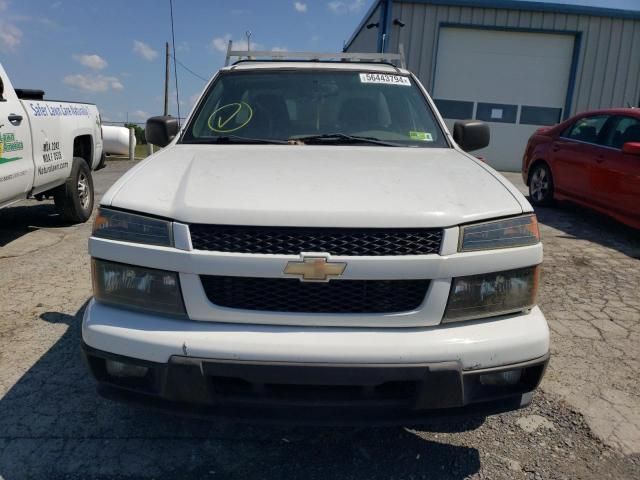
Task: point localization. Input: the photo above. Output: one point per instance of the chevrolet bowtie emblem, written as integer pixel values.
(315, 268)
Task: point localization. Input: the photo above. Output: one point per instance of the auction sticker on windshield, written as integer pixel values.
(385, 79)
(423, 136)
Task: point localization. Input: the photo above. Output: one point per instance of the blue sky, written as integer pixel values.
(111, 52)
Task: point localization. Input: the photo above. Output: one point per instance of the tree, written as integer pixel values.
(141, 139)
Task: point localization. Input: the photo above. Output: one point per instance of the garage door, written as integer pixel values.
(515, 81)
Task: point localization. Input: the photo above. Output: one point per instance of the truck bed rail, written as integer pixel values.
(29, 94)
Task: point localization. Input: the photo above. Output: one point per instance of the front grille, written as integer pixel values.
(292, 295)
(336, 241)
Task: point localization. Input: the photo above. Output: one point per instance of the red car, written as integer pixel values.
(592, 159)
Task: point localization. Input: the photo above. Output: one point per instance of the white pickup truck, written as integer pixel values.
(314, 241)
(48, 148)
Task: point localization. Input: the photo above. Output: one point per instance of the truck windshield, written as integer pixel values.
(317, 106)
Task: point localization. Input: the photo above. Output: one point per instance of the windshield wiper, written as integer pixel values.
(239, 140)
(342, 138)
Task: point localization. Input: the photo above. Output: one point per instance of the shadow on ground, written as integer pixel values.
(18, 221)
(53, 425)
(579, 222)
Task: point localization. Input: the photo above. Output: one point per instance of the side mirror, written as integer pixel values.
(161, 130)
(471, 134)
(632, 148)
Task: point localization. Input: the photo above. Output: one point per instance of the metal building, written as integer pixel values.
(517, 65)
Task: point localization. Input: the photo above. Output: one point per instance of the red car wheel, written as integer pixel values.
(541, 185)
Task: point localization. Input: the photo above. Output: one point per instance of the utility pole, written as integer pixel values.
(166, 81)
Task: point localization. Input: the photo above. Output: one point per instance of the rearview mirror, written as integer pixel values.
(471, 134)
(161, 130)
(632, 148)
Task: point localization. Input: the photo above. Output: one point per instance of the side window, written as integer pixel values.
(626, 130)
(2, 99)
(587, 129)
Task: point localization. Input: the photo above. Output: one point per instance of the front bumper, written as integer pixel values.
(305, 373)
(314, 393)
(488, 343)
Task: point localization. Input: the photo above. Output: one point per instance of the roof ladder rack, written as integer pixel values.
(291, 56)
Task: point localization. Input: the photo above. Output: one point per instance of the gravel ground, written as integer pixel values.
(590, 295)
(582, 424)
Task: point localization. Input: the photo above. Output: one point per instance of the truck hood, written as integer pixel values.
(304, 185)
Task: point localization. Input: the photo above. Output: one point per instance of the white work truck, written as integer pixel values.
(313, 241)
(48, 148)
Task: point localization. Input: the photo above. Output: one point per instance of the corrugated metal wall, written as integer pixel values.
(608, 73)
(366, 40)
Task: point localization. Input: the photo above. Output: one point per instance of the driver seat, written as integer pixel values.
(270, 117)
(359, 114)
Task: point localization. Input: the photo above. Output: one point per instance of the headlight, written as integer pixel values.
(510, 232)
(492, 294)
(130, 227)
(137, 287)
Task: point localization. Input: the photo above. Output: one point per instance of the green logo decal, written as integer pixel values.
(9, 144)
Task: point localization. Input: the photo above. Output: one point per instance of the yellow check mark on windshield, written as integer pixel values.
(222, 124)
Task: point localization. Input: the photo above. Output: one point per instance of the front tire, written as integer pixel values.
(541, 185)
(75, 197)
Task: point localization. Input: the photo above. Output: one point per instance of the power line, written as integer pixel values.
(175, 68)
(189, 70)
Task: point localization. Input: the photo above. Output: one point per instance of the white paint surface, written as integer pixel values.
(315, 185)
(482, 344)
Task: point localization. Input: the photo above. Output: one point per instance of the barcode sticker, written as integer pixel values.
(385, 79)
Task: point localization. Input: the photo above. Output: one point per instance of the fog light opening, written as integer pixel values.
(501, 379)
(125, 370)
